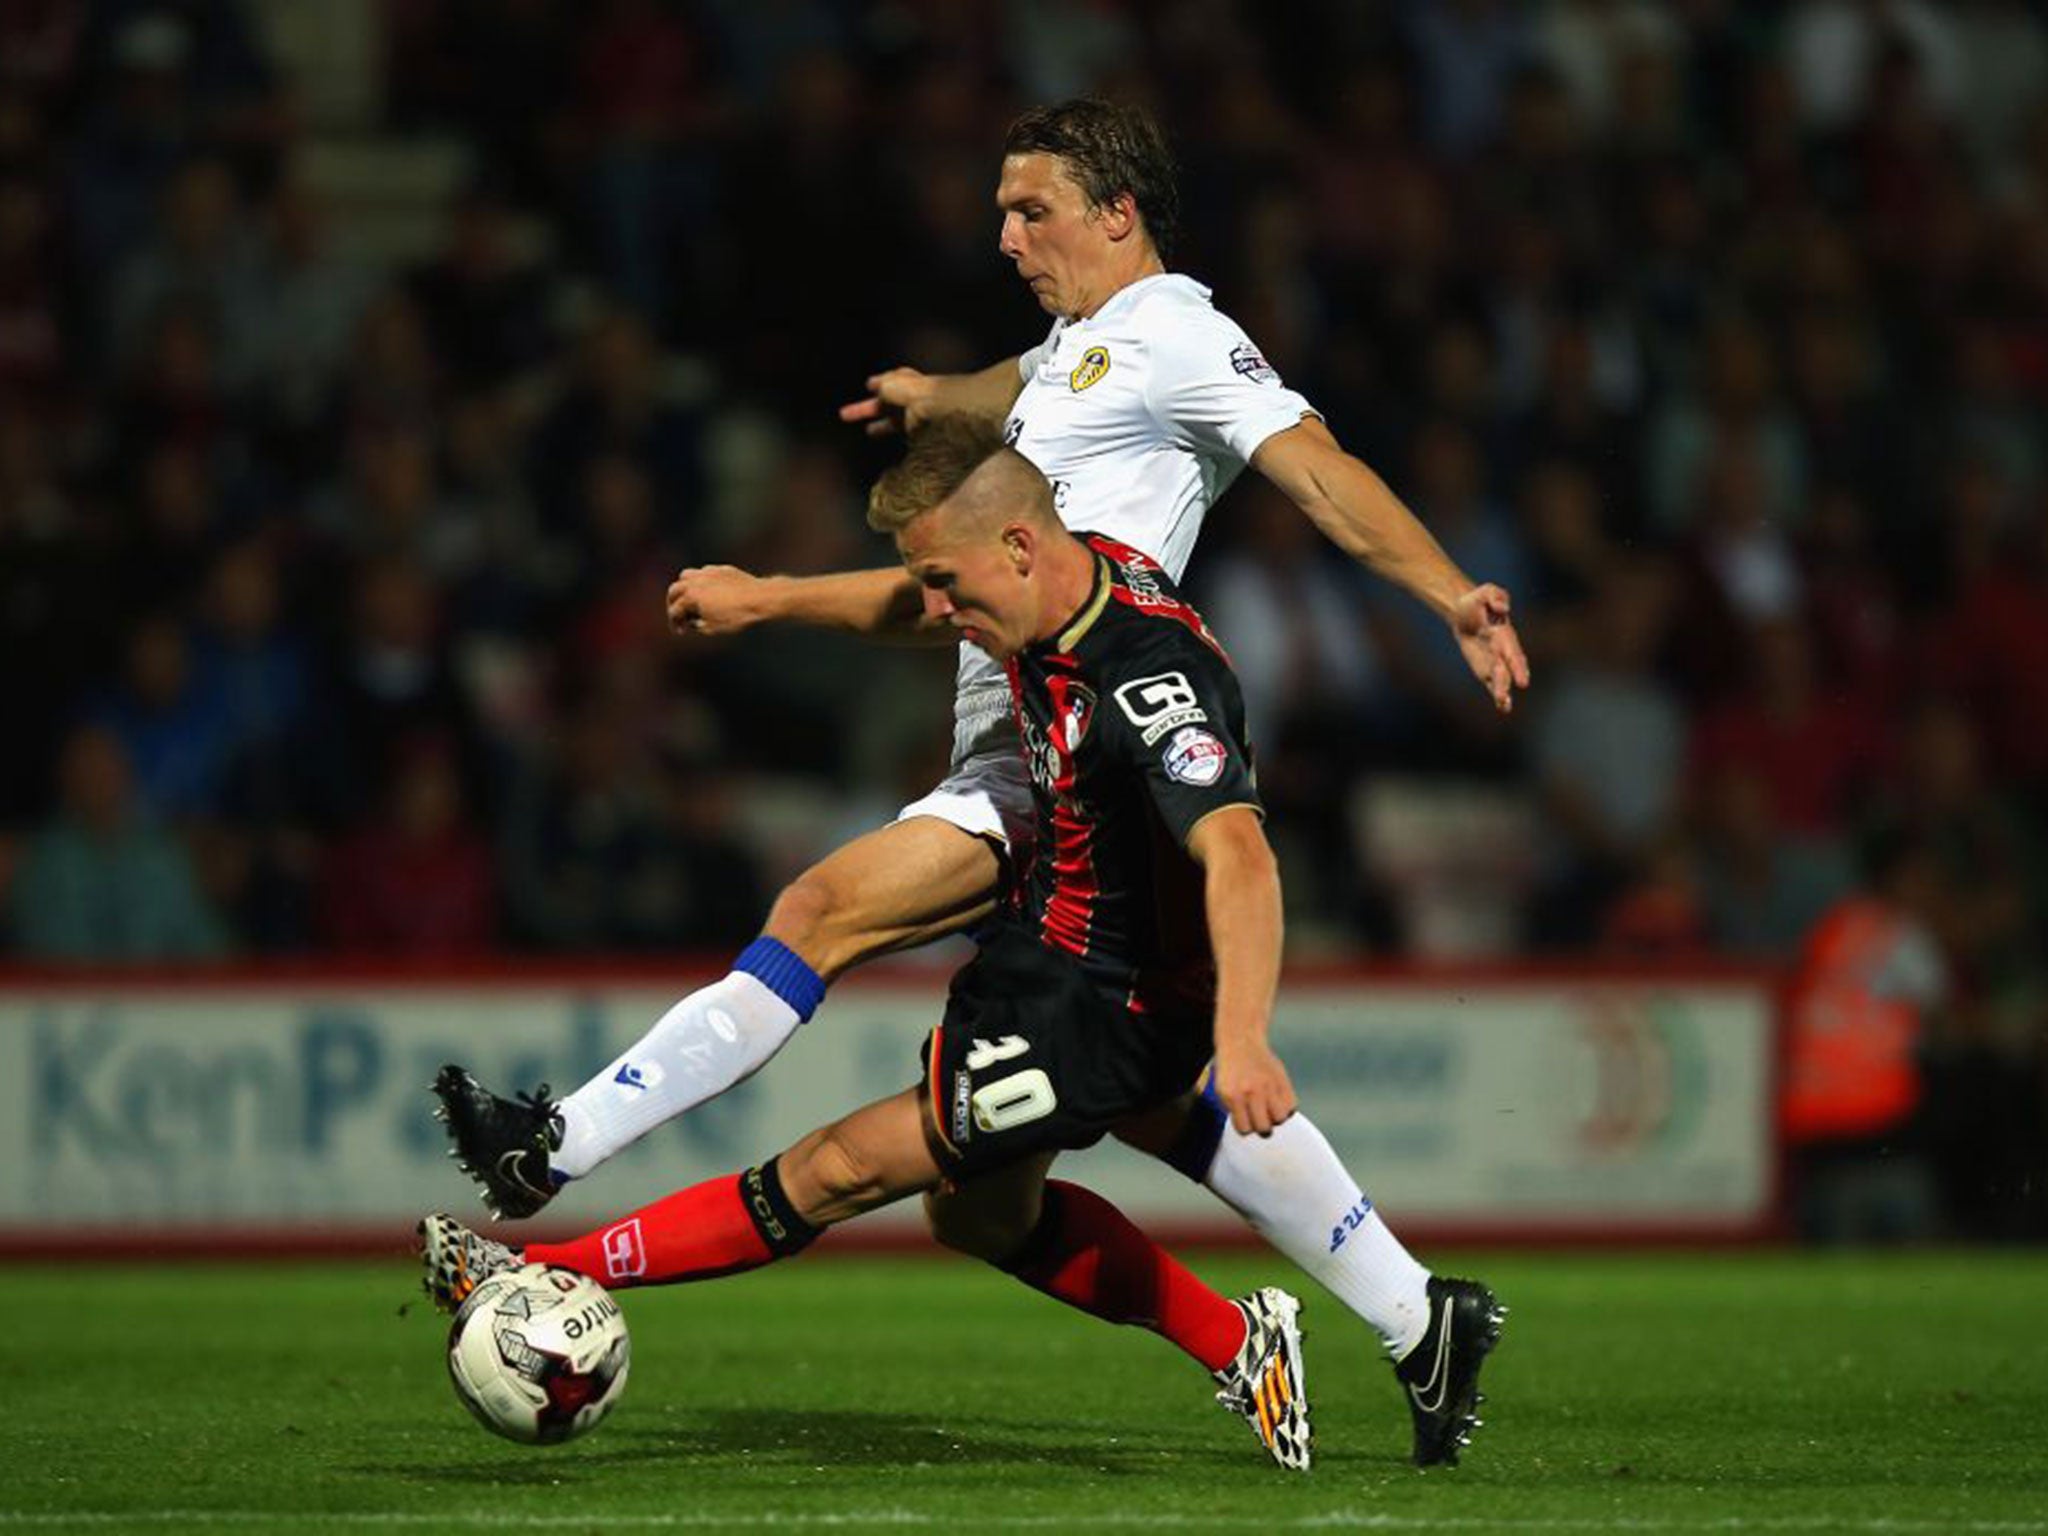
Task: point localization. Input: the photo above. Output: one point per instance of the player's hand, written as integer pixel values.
(900, 400)
(1254, 1088)
(1492, 648)
(715, 600)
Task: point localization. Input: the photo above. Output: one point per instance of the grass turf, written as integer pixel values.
(1698, 1392)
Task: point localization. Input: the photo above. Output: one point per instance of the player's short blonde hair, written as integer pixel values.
(943, 455)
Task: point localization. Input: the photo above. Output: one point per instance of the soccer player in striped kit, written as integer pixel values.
(1144, 944)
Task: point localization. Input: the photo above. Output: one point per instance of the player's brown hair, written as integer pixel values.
(1108, 148)
(942, 454)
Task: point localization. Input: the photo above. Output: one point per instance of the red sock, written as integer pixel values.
(719, 1227)
(1086, 1253)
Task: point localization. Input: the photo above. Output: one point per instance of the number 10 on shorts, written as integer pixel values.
(1017, 1099)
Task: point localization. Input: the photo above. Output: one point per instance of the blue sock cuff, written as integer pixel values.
(782, 971)
(1194, 1149)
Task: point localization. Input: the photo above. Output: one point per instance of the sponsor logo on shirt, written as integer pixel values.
(1089, 371)
(1195, 757)
(1249, 361)
(963, 1095)
(1143, 580)
(1155, 705)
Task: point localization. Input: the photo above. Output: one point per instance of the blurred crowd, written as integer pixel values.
(331, 588)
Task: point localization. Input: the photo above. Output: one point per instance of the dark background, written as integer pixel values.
(366, 370)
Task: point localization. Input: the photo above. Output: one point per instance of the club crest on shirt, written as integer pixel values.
(1074, 720)
(1249, 361)
(1090, 370)
(1194, 757)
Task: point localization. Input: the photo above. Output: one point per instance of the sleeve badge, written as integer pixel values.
(1195, 757)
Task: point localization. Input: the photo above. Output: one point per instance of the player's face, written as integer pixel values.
(970, 581)
(1048, 230)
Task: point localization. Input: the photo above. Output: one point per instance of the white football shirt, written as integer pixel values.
(1141, 416)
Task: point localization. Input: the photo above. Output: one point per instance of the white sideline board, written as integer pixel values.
(1601, 1106)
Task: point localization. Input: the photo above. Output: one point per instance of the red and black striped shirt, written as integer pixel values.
(1133, 730)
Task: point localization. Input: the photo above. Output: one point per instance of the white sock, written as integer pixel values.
(713, 1038)
(1291, 1187)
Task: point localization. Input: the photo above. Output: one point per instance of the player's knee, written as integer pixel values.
(974, 1228)
(805, 911)
(1154, 1131)
(943, 1219)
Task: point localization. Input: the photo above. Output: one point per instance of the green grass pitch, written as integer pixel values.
(1709, 1392)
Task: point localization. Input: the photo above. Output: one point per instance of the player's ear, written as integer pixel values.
(1120, 216)
(1021, 548)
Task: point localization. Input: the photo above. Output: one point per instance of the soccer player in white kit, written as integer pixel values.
(1141, 407)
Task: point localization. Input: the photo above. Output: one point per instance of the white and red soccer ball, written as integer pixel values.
(539, 1354)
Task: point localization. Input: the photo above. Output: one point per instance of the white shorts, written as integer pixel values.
(987, 794)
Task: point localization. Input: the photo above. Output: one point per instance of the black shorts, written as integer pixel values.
(1033, 1056)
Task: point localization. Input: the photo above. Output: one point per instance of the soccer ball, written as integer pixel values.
(539, 1354)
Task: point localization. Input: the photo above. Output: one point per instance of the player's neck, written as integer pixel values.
(1067, 578)
(1116, 278)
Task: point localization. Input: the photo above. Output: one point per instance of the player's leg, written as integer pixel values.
(1077, 1248)
(725, 1225)
(900, 885)
(903, 884)
(1297, 1194)
(895, 888)
(1033, 1057)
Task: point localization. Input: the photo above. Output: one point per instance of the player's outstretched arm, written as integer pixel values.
(1358, 513)
(1241, 891)
(883, 604)
(904, 399)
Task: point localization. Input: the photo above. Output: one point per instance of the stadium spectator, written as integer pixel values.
(648, 109)
(621, 398)
(99, 881)
(485, 306)
(313, 301)
(392, 683)
(1445, 721)
(1863, 1008)
(1991, 622)
(204, 258)
(249, 660)
(1468, 52)
(1761, 886)
(1817, 752)
(171, 724)
(1859, 627)
(598, 857)
(416, 880)
(1607, 742)
(1984, 843)
(1317, 696)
